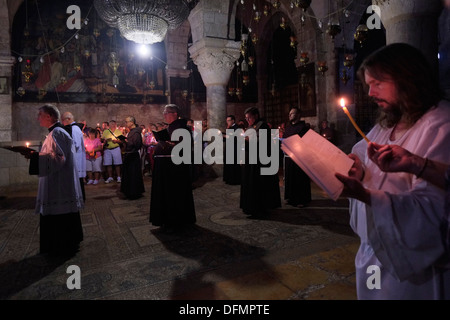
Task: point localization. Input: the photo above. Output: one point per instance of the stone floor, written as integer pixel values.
(296, 254)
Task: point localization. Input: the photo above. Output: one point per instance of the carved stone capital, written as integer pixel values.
(215, 59)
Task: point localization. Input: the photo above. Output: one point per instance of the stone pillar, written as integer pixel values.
(6, 63)
(414, 22)
(212, 27)
(215, 60)
(176, 42)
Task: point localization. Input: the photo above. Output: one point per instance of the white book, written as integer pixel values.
(319, 159)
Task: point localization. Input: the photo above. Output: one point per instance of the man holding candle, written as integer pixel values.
(59, 197)
(400, 217)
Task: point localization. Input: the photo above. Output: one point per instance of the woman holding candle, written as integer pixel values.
(400, 217)
(94, 146)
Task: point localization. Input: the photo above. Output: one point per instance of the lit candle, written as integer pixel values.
(27, 144)
(352, 120)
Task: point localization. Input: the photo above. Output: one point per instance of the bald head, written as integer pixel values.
(67, 118)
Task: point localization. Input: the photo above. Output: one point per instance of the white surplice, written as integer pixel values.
(403, 231)
(59, 189)
(80, 151)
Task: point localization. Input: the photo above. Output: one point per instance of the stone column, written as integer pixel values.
(414, 22)
(6, 63)
(215, 60)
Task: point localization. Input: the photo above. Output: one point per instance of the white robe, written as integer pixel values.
(80, 151)
(403, 231)
(59, 190)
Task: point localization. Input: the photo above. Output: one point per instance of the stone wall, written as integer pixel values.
(14, 167)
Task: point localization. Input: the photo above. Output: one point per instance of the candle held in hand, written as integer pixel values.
(353, 120)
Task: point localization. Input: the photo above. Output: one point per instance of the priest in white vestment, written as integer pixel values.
(59, 197)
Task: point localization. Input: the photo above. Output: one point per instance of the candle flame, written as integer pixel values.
(342, 102)
(28, 144)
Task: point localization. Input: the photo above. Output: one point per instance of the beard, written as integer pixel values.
(390, 114)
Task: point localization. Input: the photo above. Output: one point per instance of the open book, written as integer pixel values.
(121, 138)
(162, 135)
(319, 159)
(20, 149)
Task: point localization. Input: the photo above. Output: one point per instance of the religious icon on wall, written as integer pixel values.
(80, 65)
(307, 90)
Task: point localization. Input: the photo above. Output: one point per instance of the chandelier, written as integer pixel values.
(143, 21)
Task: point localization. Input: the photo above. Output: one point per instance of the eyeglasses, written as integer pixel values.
(167, 112)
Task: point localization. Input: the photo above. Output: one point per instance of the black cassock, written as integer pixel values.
(232, 171)
(132, 185)
(172, 201)
(297, 184)
(259, 193)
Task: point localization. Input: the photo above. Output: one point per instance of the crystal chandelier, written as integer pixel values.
(143, 21)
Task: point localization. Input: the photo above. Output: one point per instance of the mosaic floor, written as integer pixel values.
(296, 254)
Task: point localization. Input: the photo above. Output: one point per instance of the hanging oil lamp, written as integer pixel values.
(257, 16)
(345, 77)
(96, 32)
(28, 73)
(276, 4)
(304, 59)
(20, 91)
(333, 30)
(251, 61)
(361, 33)
(348, 62)
(87, 53)
(322, 67)
(293, 42)
(283, 23)
(244, 38)
(239, 93)
(254, 38)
